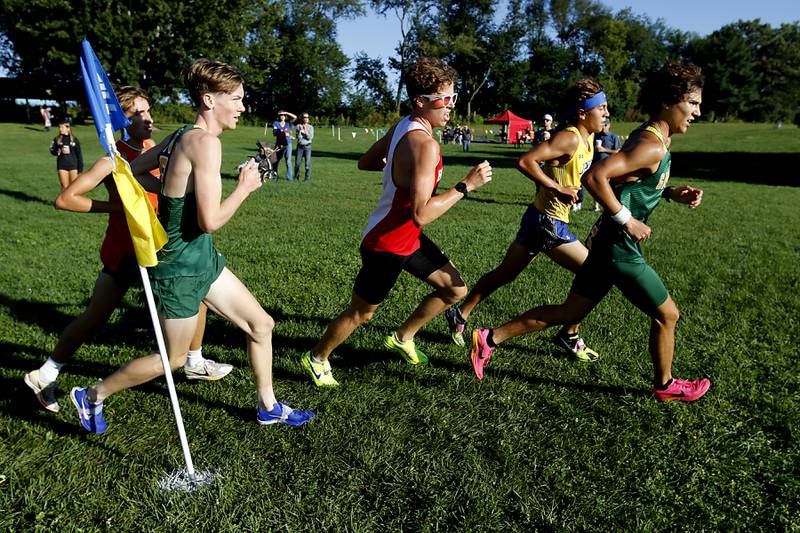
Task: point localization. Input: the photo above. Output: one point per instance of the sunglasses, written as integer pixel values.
(446, 99)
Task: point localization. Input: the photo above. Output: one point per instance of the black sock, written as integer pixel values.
(665, 386)
(490, 339)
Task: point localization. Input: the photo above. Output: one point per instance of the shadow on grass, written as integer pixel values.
(17, 402)
(348, 156)
(48, 317)
(23, 197)
(745, 167)
(496, 159)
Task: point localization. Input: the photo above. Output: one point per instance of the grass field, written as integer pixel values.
(543, 443)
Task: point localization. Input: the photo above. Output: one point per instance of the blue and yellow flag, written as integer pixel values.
(147, 234)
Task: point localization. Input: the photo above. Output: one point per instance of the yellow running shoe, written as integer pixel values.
(407, 349)
(320, 372)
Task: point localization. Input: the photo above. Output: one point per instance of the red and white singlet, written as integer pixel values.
(391, 226)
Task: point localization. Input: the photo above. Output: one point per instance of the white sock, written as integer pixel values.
(48, 372)
(195, 357)
(314, 358)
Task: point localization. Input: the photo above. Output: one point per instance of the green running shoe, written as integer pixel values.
(320, 372)
(407, 349)
(456, 324)
(573, 344)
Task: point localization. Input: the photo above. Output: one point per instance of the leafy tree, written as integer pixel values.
(729, 61)
(411, 15)
(369, 78)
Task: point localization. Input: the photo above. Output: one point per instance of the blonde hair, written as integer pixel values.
(206, 76)
(128, 93)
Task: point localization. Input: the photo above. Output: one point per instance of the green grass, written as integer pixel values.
(543, 443)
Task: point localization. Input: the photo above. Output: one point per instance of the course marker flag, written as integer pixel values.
(107, 113)
(147, 234)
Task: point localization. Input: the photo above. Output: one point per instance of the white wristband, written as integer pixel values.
(622, 217)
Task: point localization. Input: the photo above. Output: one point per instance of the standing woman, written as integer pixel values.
(67, 149)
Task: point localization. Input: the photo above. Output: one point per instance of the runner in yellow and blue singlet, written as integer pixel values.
(555, 166)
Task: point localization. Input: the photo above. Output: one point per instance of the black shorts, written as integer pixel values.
(380, 270)
(127, 273)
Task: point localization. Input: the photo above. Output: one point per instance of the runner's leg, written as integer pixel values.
(516, 259)
(229, 298)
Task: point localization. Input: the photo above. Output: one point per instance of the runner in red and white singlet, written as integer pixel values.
(391, 226)
(393, 241)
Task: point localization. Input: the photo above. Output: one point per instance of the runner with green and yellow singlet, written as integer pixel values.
(628, 184)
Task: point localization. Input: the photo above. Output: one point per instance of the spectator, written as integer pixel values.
(466, 138)
(46, 117)
(67, 149)
(305, 134)
(282, 130)
(605, 144)
(543, 134)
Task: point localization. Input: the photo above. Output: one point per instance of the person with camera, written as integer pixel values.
(282, 130)
(305, 134)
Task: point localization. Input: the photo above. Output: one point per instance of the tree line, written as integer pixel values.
(290, 58)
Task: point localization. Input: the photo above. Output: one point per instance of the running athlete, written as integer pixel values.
(190, 270)
(556, 166)
(628, 184)
(393, 241)
(120, 270)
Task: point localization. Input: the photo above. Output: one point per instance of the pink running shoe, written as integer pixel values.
(480, 352)
(683, 390)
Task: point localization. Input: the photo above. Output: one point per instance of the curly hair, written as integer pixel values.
(128, 93)
(669, 85)
(428, 75)
(206, 76)
(576, 93)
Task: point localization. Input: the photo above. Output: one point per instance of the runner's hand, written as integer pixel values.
(567, 195)
(249, 178)
(687, 195)
(480, 175)
(639, 231)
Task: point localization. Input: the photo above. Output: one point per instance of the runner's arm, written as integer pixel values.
(73, 197)
(375, 157)
(560, 145)
(642, 155)
(147, 161)
(424, 157)
(206, 157)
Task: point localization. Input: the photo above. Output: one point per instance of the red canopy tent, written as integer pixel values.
(513, 123)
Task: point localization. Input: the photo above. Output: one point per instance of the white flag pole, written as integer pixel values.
(162, 350)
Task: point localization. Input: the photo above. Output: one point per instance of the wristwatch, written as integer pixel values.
(462, 188)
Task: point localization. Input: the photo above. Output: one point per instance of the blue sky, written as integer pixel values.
(377, 35)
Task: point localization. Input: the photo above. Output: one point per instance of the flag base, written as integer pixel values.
(182, 481)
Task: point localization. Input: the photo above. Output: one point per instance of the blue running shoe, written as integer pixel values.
(283, 414)
(90, 414)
